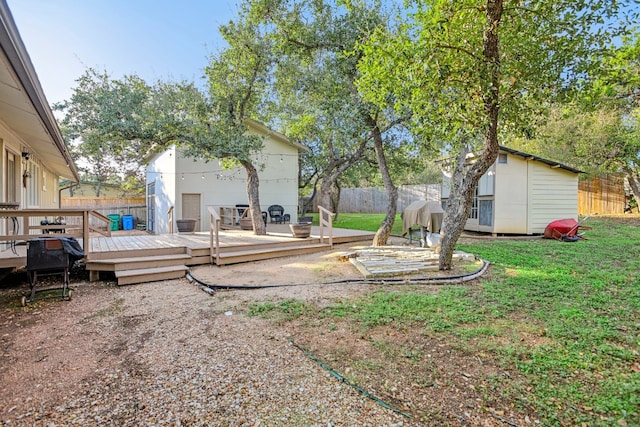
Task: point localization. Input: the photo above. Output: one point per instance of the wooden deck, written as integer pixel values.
(136, 257)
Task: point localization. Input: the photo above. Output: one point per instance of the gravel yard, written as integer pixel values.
(167, 353)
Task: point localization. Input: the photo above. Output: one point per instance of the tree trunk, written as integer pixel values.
(465, 179)
(457, 211)
(324, 194)
(384, 231)
(634, 183)
(333, 172)
(253, 194)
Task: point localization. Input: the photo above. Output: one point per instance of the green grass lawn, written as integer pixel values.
(563, 317)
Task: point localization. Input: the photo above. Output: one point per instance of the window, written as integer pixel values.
(486, 183)
(502, 158)
(474, 206)
(486, 212)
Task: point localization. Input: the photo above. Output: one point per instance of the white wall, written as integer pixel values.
(553, 194)
(175, 175)
(510, 204)
(162, 171)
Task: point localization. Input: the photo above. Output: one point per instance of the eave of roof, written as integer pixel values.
(17, 57)
(256, 125)
(551, 163)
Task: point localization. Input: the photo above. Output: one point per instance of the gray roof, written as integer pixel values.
(551, 163)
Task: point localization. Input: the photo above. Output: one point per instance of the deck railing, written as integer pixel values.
(170, 219)
(24, 224)
(230, 216)
(214, 234)
(326, 220)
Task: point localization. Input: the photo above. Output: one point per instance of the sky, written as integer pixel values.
(155, 39)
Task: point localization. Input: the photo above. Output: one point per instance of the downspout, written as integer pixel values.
(60, 190)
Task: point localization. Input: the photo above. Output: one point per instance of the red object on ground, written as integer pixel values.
(564, 229)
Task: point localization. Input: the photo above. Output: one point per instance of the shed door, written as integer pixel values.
(191, 208)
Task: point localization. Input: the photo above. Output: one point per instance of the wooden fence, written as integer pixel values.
(602, 195)
(374, 200)
(134, 206)
(599, 195)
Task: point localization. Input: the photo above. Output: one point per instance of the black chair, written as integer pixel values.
(276, 213)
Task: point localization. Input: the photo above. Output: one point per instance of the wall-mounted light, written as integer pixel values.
(26, 155)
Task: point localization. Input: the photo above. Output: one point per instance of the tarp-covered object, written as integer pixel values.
(424, 213)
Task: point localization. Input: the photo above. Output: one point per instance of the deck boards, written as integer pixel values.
(230, 240)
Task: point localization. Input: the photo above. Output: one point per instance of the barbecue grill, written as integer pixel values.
(50, 256)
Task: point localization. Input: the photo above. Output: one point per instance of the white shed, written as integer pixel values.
(191, 186)
(521, 194)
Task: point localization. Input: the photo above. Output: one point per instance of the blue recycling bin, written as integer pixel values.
(127, 222)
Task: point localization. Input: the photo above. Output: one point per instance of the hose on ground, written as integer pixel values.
(348, 382)
(460, 278)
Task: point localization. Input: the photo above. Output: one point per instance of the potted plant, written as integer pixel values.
(186, 225)
(300, 230)
(246, 223)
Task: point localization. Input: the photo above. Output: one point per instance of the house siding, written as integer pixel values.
(41, 190)
(161, 171)
(510, 202)
(553, 194)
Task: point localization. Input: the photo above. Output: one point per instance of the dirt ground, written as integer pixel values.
(168, 353)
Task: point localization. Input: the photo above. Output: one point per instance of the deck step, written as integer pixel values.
(143, 252)
(135, 263)
(257, 246)
(130, 277)
(235, 257)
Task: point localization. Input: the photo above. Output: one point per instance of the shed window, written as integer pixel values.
(485, 210)
(502, 158)
(474, 206)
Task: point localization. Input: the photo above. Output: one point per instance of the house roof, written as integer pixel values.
(23, 106)
(551, 163)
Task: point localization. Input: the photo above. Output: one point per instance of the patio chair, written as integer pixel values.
(276, 213)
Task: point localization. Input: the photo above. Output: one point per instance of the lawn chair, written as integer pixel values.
(277, 215)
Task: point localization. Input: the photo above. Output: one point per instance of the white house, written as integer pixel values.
(33, 156)
(521, 194)
(190, 186)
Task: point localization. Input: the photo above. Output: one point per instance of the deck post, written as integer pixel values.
(86, 234)
(326, 222)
